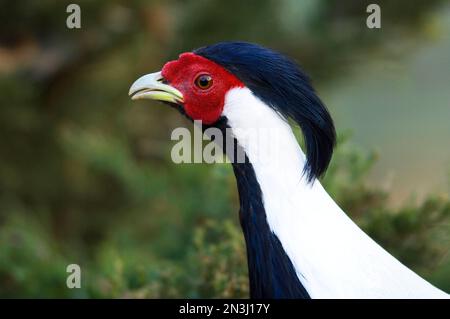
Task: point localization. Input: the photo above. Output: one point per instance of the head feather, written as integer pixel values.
(280, 83)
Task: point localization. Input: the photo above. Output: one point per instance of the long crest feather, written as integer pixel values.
(279, 82)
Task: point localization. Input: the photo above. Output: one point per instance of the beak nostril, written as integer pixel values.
(153, 86)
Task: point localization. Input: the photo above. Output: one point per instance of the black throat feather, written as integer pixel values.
(280, 83)
(271, 272)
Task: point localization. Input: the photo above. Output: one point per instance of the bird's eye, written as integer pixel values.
(204, 81)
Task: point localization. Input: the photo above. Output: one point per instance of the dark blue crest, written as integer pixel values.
(280, 83)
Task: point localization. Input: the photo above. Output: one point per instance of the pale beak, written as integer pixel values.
(151, 87)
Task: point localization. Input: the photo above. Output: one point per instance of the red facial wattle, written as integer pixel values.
(205, 104)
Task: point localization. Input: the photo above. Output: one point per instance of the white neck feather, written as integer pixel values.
(333, 258)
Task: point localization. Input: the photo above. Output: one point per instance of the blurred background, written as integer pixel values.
(86, 175)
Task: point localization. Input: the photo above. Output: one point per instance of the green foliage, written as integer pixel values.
(209, 260)
(85, 175)
(417, 234)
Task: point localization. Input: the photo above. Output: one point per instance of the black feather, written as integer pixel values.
(271, 272)
(281, 84)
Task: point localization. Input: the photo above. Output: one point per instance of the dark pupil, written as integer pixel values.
(204, 81)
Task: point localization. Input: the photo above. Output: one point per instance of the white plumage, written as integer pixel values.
(332, 256)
